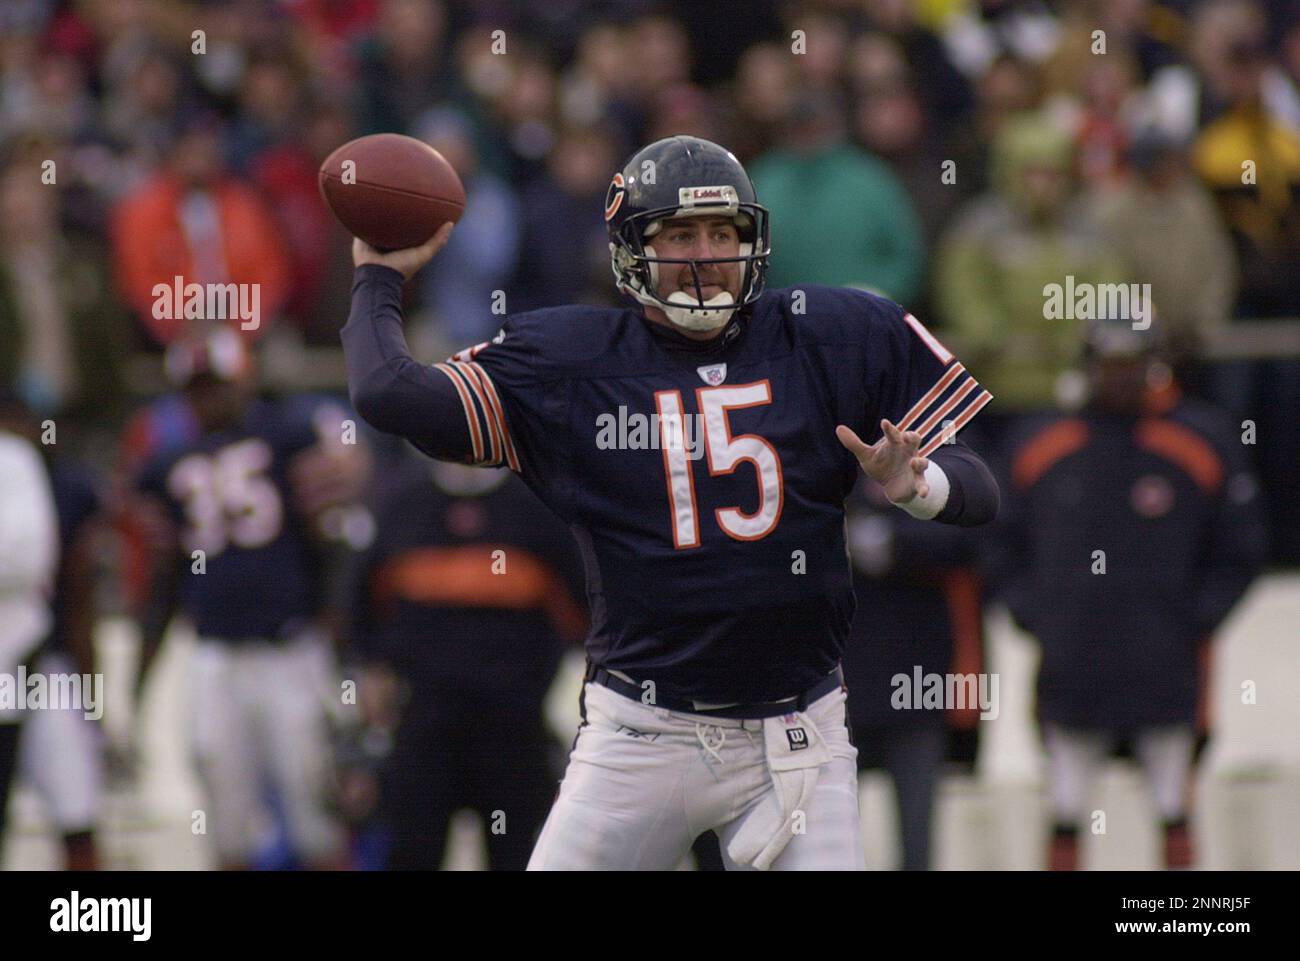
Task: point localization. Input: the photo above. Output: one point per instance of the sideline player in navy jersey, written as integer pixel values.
(700, 444)
(238, 553)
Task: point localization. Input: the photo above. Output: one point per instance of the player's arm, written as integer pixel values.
(921, 396)
(1235, 548)
(327, 471)
(162, 543)
(389, 388)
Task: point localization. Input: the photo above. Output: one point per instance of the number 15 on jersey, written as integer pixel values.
(724, 454)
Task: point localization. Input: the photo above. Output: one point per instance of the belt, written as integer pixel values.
(751, 711)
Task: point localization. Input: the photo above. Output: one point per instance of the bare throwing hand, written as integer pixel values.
(406, 262)
(891, 461)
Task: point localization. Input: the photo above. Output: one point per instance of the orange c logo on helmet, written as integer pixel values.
(614, 197)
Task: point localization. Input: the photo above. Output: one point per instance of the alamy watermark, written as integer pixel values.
(181, 301)
(626, 431)
(1088, 301)
(75, 914)
(53, 692)
(919, 691)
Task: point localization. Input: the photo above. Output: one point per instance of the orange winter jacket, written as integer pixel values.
(150, 247)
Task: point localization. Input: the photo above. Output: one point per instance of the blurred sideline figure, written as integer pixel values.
(233, 519)
(469, 595)
(29, 552)
(1132, 528)
(918, 582)
(60, 752)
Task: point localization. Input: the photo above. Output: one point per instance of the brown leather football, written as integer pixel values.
(391, 191)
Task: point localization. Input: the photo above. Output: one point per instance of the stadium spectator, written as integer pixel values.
(196, 221)
(890, 120)
(1192, 271)
(838, 215)
(597, 87)
(1004, 250)
(286, 175)
(564, 252)
(466, 291)
(140, 109)
(1249, 158)
(63, 335)
(401, 65)
(945, 95)
(763, 95)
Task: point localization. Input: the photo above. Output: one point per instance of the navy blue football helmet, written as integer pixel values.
(683, 177)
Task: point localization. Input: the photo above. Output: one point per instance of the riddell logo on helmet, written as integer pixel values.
(690, 196)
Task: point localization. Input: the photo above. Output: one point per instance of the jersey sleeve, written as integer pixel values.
(392, 391)
(511, 397)
(493, 404)
(916, 383)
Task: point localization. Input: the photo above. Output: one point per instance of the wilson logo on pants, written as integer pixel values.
(798, 739)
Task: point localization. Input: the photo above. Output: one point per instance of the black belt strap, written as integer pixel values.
(753, 711)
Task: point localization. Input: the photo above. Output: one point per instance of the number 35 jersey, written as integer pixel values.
(229, 492)
(705, 486)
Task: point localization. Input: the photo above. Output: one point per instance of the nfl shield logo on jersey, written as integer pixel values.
(713, 374)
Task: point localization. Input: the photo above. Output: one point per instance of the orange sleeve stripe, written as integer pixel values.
(1046, 448)
(498, 411)
(961, 421)
(471, 417)
(1185, 448)
(955, 371)
(936, 418)
(472, 377)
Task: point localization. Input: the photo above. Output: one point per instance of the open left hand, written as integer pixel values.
(891, 461)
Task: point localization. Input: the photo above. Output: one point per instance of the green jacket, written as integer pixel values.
(840, 217)
(991, 270)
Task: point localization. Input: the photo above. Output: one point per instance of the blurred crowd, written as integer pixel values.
(957, 156)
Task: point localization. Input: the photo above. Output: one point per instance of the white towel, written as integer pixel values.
(795, 753)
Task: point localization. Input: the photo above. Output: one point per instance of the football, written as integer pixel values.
(390, 190)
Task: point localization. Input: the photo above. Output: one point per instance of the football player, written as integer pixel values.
(700, 443)
(234, 524)
(1161, 484)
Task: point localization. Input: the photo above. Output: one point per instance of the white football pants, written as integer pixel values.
(259, 718)
(644, 782)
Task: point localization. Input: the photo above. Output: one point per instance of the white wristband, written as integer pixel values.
(931, 504)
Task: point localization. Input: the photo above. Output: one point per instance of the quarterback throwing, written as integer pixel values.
(719, 585)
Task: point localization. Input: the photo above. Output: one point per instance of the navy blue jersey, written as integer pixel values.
(229, 491)
(466, 589)
(706, 487)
